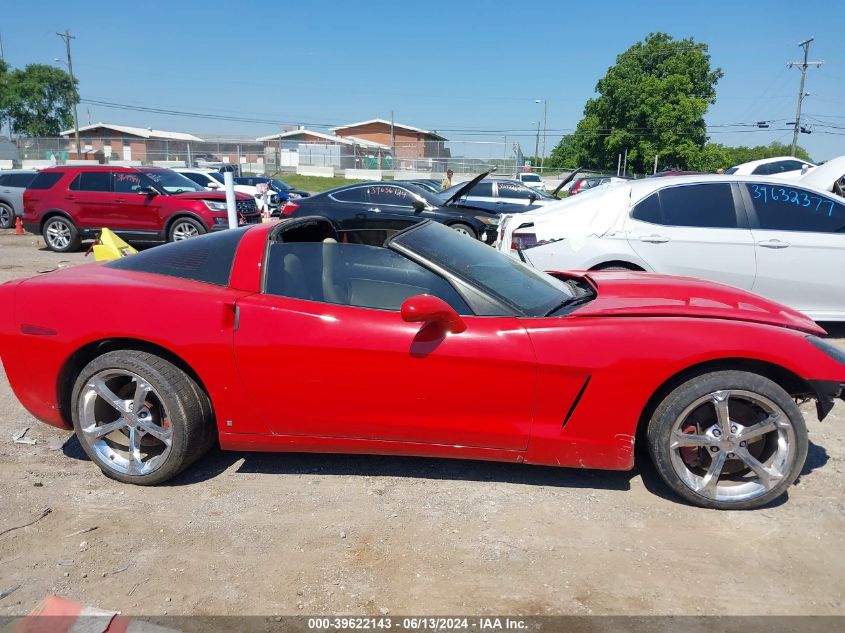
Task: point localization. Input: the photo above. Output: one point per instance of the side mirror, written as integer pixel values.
(532, 198)
(431, 309)
(213, 185)
(418, 205)
(147, 191)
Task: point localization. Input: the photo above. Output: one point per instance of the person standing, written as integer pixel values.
(447, 180)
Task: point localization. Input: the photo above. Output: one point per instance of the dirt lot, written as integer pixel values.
(292, 534)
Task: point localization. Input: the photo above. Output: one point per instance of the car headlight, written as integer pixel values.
(292, 195)
(828, 349)
(486, 220)
(215, 205)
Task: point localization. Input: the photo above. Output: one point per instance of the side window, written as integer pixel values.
(648, 210)
(706, 205)
(5, 179)
(763, 170)
(352, 275)
(46, 179)
(201, 179)
(390, 195)
(780, 208)
(99, 181)
(482, 189)
(126, 182)
(513, 190)
(19, 180)
(357, 194)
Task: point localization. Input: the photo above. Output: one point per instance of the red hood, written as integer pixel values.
(210, 195)
(649, 294)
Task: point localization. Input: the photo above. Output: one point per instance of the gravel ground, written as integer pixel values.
(250, 533)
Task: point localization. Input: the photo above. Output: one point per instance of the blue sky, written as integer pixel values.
(457, 67)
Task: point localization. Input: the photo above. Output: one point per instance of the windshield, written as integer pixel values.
(217, 176)
(280, 184)
(170, 182)
(530, 178)
(529, 291)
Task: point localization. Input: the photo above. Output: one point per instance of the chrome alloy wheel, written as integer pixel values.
(184, 230)
(125, 422)
(732, 445)
(5, 216)
(58, 234)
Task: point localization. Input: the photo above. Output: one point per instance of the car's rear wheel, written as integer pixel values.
(140, 418)
(7, 216)
(730, 440)
(60, 234)
(464, 229)
(185, 228)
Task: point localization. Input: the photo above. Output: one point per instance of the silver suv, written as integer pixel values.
(12, 185)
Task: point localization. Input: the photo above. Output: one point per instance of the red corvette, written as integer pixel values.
(290, 337)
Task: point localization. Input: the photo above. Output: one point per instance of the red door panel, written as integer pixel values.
(337, 371)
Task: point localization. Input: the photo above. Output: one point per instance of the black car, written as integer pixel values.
(285, 191)
(387, 206)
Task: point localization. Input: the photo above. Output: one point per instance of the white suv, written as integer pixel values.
(213, 181)
(532, 180)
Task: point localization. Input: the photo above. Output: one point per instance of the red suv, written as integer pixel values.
(68, 204)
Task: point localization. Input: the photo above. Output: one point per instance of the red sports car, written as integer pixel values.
(384, 349)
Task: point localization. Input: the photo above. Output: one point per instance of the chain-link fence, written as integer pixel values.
(275, 155)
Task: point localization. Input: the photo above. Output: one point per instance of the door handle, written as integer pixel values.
(70, 197)
(119, 200)
(654, 239)
(374, 210)
(773, 244)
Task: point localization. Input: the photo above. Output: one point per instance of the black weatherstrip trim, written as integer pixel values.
(577, 400)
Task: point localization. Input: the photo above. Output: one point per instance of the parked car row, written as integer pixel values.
(142, 204)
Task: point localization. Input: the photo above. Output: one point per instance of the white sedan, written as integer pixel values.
(780, 166)
(779, 238)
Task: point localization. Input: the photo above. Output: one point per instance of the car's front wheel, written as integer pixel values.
(730, 440)
(140, 418)
(464, 229)
(60, 234)
(185, 228)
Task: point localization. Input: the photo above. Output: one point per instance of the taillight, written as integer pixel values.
(289, 208)
(523, 241)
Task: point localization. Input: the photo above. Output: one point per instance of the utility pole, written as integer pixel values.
(393, 139)
(537, 145)
(543, 150)
(801, 94)
(67, 37)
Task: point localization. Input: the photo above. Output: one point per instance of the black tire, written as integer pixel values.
(60, 234)
(7, 216)
(671, 410)
(181, 227)
(190, 419)
(464, 228)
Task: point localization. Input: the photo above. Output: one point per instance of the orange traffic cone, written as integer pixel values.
(18, 226)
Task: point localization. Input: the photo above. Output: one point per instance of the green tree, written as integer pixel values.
(39, 100)
(652, 101)
(4, 92)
